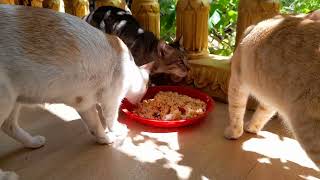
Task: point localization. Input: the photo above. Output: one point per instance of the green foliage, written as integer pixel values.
(168, 19)
(222, 21)
(222, 26)
(299, 6)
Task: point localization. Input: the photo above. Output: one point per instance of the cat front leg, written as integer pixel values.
(102, 120)
(91, 118)
(110, 109)
(260, 117)
(237, 97)
(9, 112)
(12, 129)
(110, 114)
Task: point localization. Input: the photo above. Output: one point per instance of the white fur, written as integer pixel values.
(49, 57)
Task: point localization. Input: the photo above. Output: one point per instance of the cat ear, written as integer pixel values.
(164, 49)
(178, 44)
(161, 48)
(181, 41)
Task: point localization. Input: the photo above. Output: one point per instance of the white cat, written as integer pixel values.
(53, 57)
(278, 62)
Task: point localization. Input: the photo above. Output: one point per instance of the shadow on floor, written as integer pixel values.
(195, 152)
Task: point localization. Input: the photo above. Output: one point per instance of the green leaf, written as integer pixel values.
(215, 18)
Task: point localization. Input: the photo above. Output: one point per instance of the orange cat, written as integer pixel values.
(278, 62)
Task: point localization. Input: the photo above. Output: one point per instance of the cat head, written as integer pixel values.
(139, 84)
(147, 48)
(170, 60)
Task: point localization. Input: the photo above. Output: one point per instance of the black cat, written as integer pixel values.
(144, 45)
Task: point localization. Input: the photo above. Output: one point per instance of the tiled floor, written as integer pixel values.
(197, 152)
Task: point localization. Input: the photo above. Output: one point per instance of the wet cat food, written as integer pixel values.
(168, 105)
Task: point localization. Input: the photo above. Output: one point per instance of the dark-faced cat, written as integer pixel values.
(144, 45)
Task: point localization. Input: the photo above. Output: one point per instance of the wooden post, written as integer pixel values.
(68, 7)
(147, 12)
(80, 7)
(208, 72)
(116, 3)
(12, 2)
(57, 5)
(36, 3)
(192, 26)
(253, 11)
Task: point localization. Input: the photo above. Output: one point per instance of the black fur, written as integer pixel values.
(142, 44)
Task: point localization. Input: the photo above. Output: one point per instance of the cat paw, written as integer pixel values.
(233, 132)
(108, 139)
(251, 128)
(119, 130)
(36, 142)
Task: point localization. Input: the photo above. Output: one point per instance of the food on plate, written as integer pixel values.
(168, 105)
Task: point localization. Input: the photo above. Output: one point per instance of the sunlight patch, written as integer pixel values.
(204, 178)
(264, 160)
(151, 147)
(285, 149)
(64, 112)
(308, 177)
(183, 172)
(170, 138)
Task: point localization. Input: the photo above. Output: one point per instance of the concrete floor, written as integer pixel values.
(197, 152)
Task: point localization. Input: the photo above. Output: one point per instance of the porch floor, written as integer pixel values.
(196, 152)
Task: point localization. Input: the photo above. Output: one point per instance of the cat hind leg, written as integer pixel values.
(260, 117)
(9, 111)
(11, 128)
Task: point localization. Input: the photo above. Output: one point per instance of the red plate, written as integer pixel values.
(127, 107)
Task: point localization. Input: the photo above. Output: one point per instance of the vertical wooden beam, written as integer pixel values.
(68, 7)
(80, 7)
(36, 3)
(12, 2)
(116, 3)
(253, 11)
(192, 26)
(57, 5)
(147, 12)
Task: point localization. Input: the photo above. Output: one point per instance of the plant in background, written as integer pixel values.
(222, 21)
(168, 19)
(299, 6)
(222, 26)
